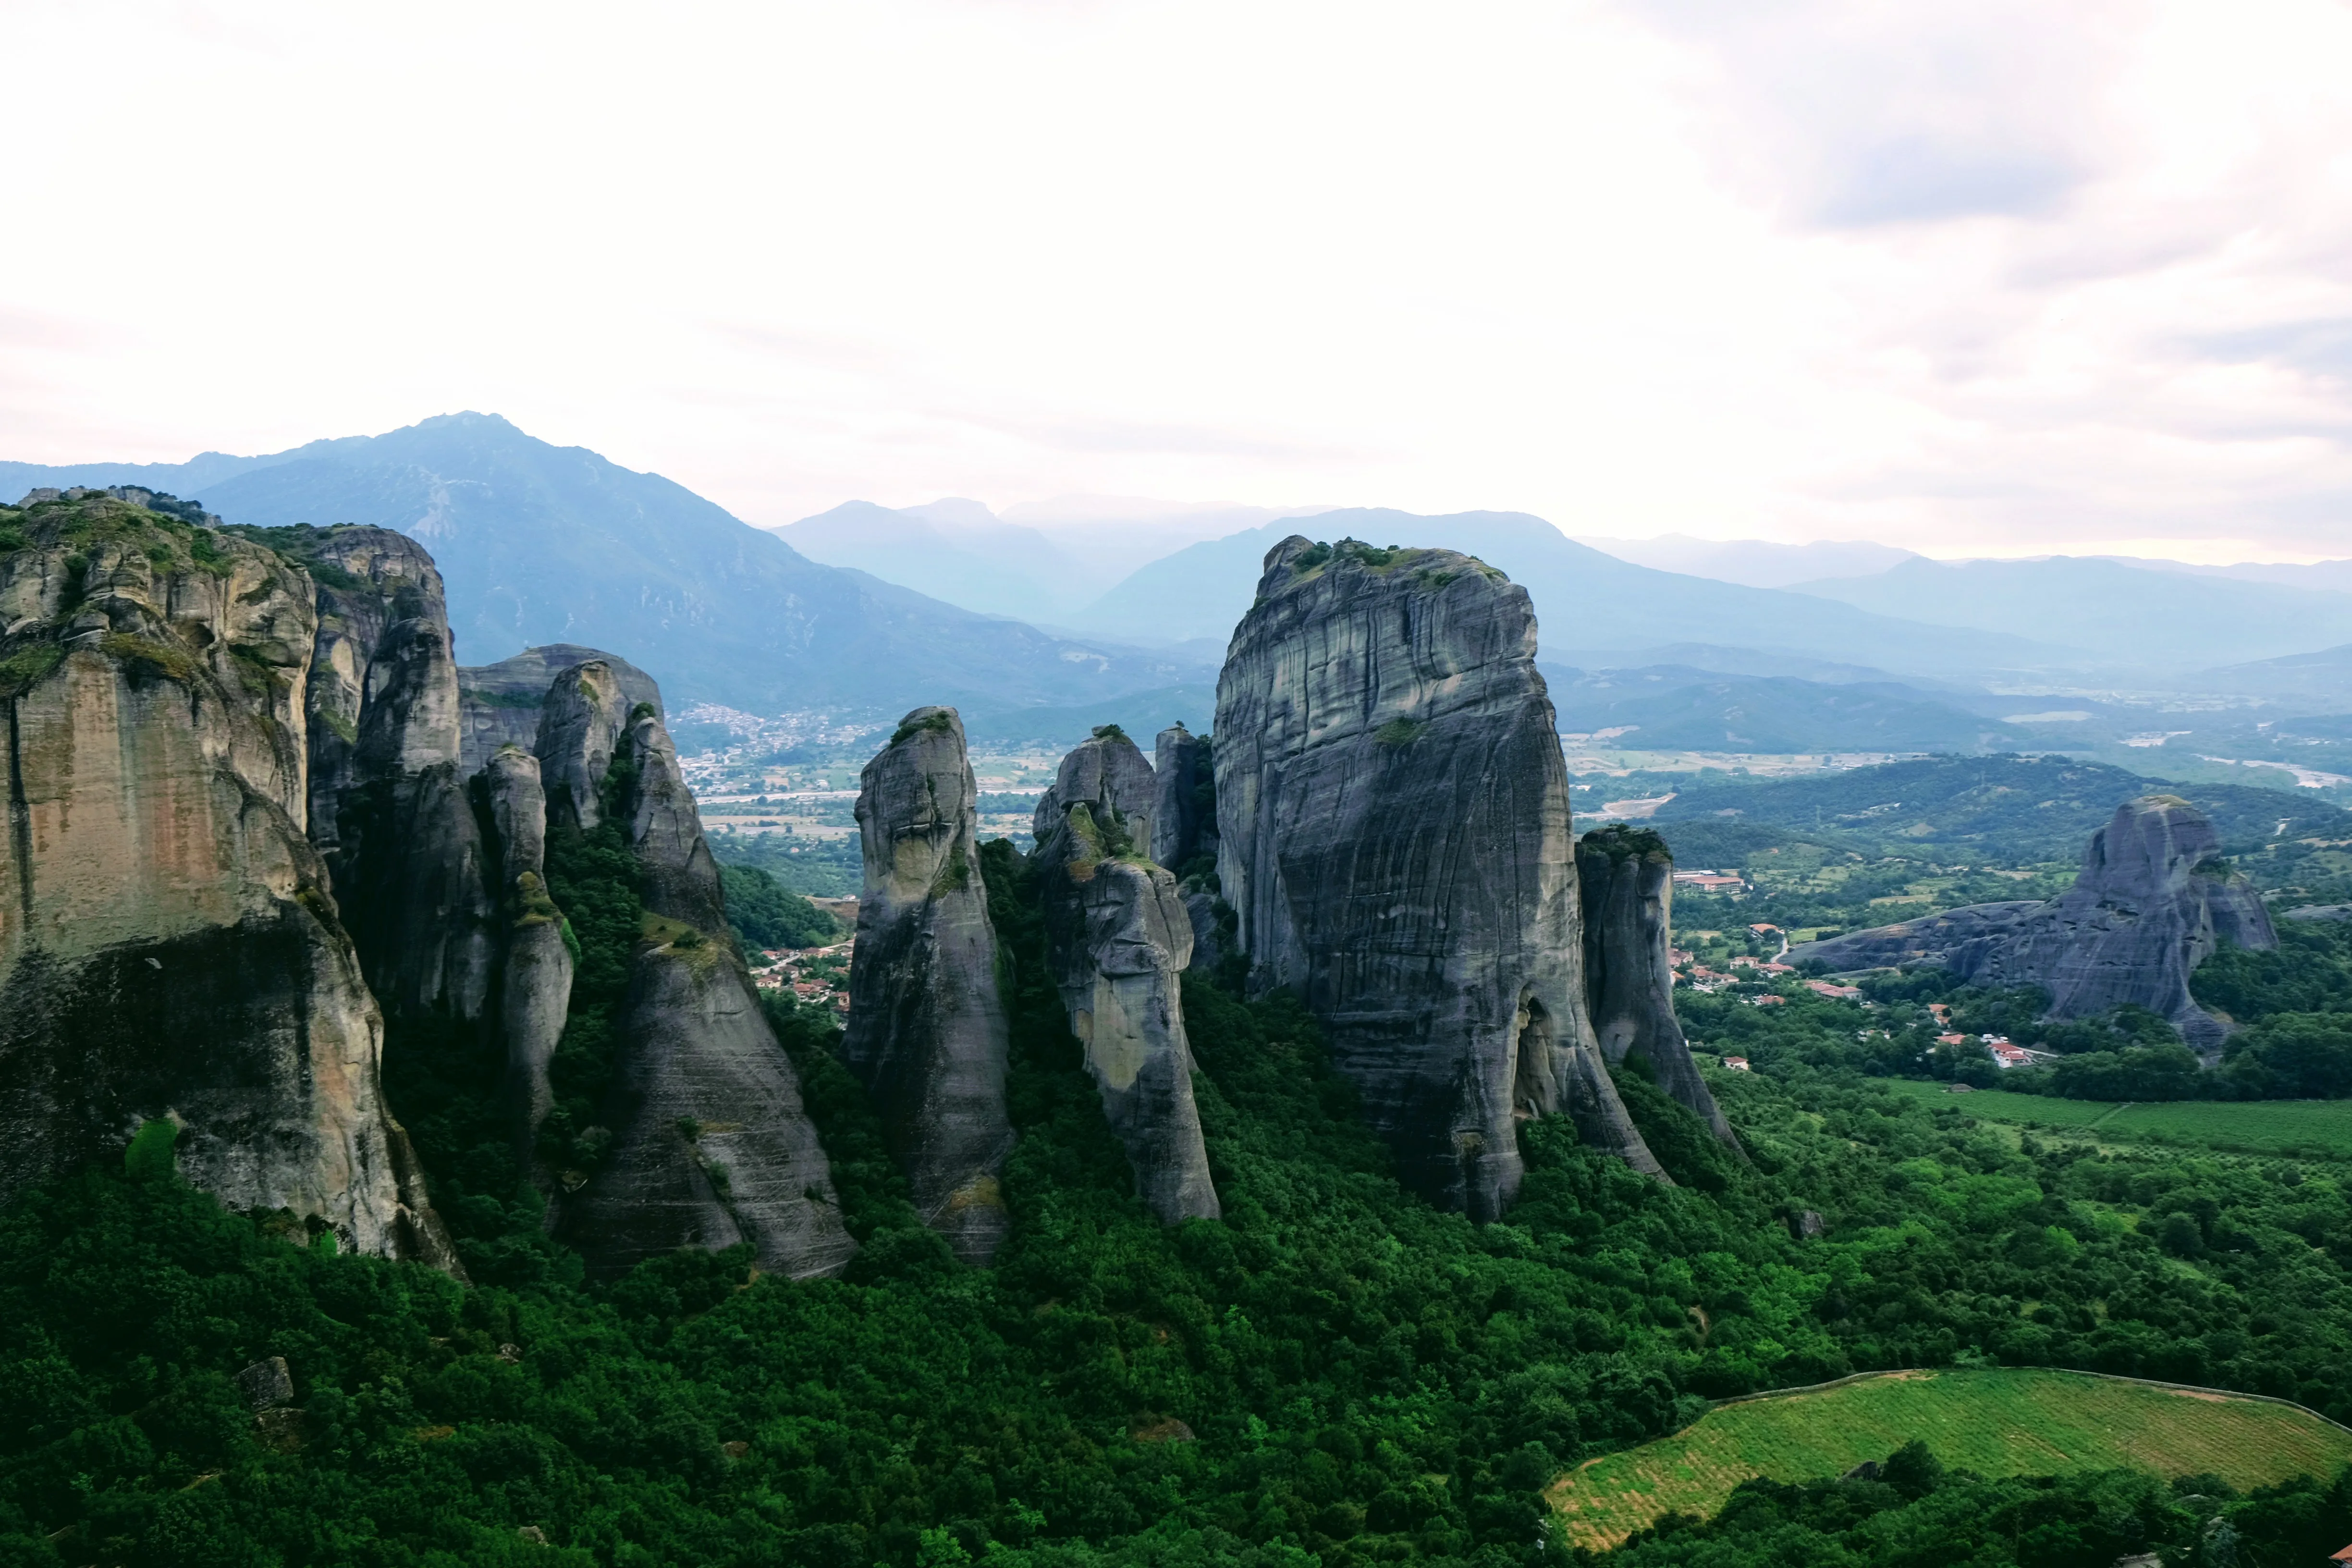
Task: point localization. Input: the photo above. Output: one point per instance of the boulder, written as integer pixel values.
(2154, 899)
(498, 704)
(1624, 878)
(1117, 938)
(1393, 827)
(927, 1027)
(171, 947)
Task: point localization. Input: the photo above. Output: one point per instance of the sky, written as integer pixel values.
(1971, 276)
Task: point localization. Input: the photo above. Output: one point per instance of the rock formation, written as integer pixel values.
(581, 721)
(927, 1028)
(2153, 900)
(1118, 938)
(711, 1144)
(1394, 837)
(1185, 835)
(170, 947)
(498, 704)
(1624, 877)
(389, 810)
(535, 975)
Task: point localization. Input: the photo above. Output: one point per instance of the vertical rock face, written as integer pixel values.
(712, 1143)
(1184, 813)
(1625, 879)
(580, 722)
(169, 946)
(927, 1028)
(2153, 900)
(535, 978)
(1394, 835)
(498, 704)
(388, 810)
(1119, 937)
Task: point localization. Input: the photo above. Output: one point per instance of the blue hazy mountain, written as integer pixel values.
(2152, 619)
(1584, 600)
(1677, 708)
(541, 543)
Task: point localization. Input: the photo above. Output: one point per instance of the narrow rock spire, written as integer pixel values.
(1625, 875)
(535, 979)
(1394, 838)
(1120, 938)
(927, 1027)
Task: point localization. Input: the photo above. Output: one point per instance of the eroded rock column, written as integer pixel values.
(927, 1026)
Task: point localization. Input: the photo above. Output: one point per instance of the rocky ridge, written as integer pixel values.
(926, 1033)
(1394, 838)
(2154, 899)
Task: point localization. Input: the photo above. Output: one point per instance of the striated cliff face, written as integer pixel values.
(711, 1144)
(1118, 938)
(388, 807)
(581, 721)
(927, 1027)
(1394, 823)
(1624, 878)
(169, 944)
(2153, 900)
(498, 704)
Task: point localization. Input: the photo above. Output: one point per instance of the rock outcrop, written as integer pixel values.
(1118, 938)
(169, 946)
(498, 704)
(927, 1027)
(1185, 835)
(535, 975)
(2154, 899)
(1393, 820)
(581, 722)
(1624, 877)
(712, 1143)
(389, 808)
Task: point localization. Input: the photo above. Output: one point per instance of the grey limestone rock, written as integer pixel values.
(1624, 877)
(535, 977)
(711, 1144)
(1120, 938)
(927, 1027)
(170, 943)
(498, 704)
(580, 724)
(1393, 834)
(1184, 803)
(2154, 899)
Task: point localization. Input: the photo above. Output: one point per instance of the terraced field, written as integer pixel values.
(1995, 1421)
(2318, 1129)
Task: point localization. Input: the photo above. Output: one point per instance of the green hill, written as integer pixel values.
(1996, 1423)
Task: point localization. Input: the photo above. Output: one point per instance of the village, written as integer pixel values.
(814, 976)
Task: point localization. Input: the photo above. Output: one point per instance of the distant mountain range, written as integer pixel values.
(541, 543)
(1677, 708)
(1757, 562)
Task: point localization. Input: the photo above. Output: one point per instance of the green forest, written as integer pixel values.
(1335, 1373)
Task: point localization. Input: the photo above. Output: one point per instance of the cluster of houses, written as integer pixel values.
(1704, 881)
(815, 975)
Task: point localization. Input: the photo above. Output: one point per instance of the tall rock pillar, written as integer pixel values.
(1625, 876)
(1120, 938)
(1394, 837)
(927, 1027)
(535, 981)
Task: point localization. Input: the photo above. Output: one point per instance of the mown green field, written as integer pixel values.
(2315, 1128)
(2007, 1422)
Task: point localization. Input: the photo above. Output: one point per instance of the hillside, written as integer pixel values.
(2007, 809)
(1673, 707)
(954, 551)
(2126, 616)
(1584, 600)
(546, 544)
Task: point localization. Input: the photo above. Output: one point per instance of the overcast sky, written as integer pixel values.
(1970, 276)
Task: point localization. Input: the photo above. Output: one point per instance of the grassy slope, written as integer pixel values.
(2313, 1127)
(1997, 1422)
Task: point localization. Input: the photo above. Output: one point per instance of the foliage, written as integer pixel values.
(811, 866)
(764, 914)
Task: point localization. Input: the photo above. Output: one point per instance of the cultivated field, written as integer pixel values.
(2005, 1422)
(2314, 1128)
